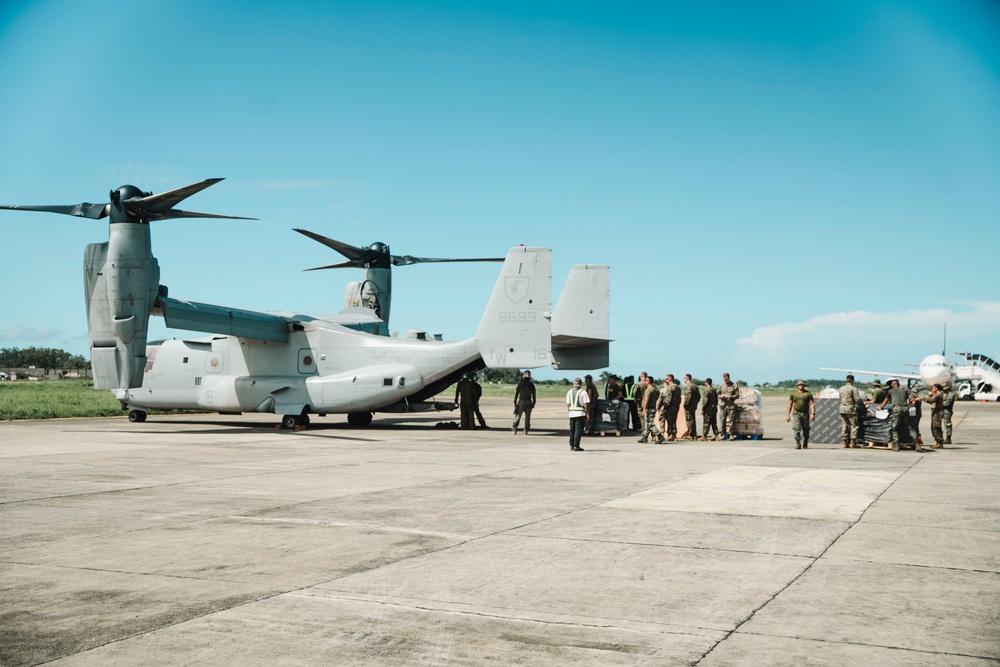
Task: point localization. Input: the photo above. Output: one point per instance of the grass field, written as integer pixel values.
(50, 399)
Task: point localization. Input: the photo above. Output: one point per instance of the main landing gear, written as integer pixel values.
(137, 416)
(359, 418)
(295, 422)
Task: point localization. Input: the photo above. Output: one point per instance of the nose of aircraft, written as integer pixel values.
(936, 369)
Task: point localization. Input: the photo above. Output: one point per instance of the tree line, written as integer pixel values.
(47, 358)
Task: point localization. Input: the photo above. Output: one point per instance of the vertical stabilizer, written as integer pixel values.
(515, 331)
(581, 323)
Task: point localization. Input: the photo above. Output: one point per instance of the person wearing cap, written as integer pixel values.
(709, 408)
(613, 391)
(668, 406)
(878, 393)
(640, 388)
(729, 392)
(801, 409)
(524, 402)
(576, 404)
(465, 396)
(849, 400)
(900, 400)
(691, 399)
(936, 399)
(949, 407)
(650, 397)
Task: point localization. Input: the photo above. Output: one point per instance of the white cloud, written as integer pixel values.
(30, 335)
(859, 337)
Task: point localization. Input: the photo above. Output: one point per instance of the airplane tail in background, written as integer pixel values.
(581, 324)
(515, 330)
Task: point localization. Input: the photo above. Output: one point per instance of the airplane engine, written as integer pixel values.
(121, 281)
(121, 278)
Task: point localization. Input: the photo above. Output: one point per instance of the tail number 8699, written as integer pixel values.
(516, 317)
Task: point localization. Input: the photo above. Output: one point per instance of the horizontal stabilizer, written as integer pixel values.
(208, 318)
(581, 323)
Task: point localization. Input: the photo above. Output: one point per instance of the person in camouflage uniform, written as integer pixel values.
(650, 397)
(668, 406)
(708, 409)
(640, 387)
(936, 401)
(800, 405)
(900, 400)
(949, 407)
(728, 392)
(691, 399)
(849, 400)
(878, 393)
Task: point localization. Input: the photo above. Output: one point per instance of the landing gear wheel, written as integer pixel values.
(137, 416)
(359, 418)
(290, 421)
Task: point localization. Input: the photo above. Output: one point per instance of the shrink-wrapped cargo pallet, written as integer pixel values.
(749, 421)
(611, 417)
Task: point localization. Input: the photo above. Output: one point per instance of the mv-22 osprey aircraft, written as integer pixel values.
(298, 365)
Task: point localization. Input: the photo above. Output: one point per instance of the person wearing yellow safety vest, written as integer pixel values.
(576, 403)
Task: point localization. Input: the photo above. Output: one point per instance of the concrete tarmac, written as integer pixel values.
(218, 540)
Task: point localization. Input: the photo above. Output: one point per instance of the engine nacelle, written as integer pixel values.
(121, 281)
(362, 389)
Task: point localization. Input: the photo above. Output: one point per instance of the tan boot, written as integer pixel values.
(937, 445)
(845, 445)
(854, 444)
(702, 439)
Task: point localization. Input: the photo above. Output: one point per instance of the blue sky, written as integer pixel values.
(776, 186)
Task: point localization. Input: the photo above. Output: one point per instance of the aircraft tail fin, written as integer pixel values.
(515, 331)
(581, 323)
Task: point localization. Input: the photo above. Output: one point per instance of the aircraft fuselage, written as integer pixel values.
(321, 369)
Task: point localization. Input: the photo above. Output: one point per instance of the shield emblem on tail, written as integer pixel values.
(516, 288)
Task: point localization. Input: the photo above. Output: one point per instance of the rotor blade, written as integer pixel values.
(348, 251)
(177, 213)
(167, 200)
(406, 260)
(342, 265)
(84, 210)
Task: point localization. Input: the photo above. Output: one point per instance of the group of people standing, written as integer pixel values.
(802, 410)
(654, 410)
